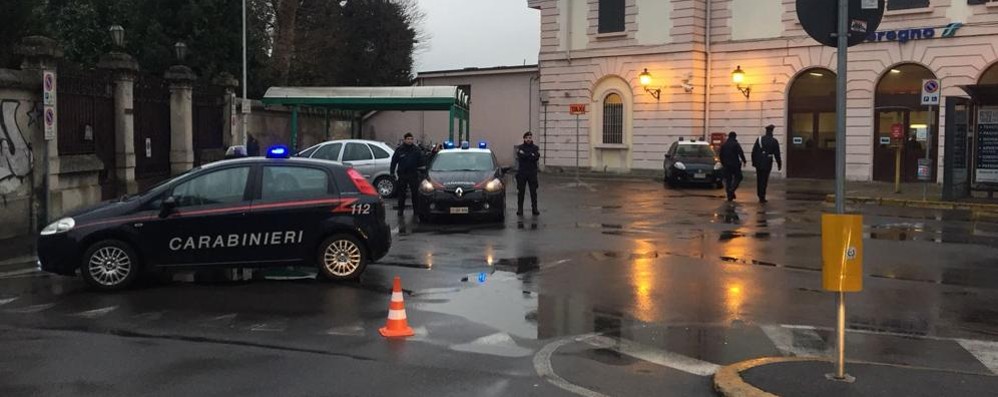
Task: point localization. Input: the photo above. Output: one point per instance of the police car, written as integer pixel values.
(244, 212)
(463, 181)
(692, 162)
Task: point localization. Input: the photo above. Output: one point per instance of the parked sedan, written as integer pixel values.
(692, 162)
(373, 159)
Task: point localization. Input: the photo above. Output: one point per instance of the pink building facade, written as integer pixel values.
(594, 51)
(505, 103)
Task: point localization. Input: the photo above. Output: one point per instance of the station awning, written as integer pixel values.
(370, 98)
(365, 99)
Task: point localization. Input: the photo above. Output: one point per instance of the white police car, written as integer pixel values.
(463, 181)
(242, 212)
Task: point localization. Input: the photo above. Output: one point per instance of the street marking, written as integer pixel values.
(223, 320)
(149, 316)
(650, 354)
(32, 308)
(273, 326)
(498, 344)
(542, 364)
(19, 272)
(798, 342)
(348, 330)
(8, 300)
(96, 312)
(985, 351)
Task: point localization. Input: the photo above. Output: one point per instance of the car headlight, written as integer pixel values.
(718, 166)
(679, 165)
(60, 226)
(426, 186)
(493, 186)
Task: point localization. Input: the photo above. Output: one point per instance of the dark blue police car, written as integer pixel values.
(247, 212)
(463, 181)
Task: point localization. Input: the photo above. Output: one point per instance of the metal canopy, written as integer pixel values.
(983, 93)
(417, 98)
(370, 98)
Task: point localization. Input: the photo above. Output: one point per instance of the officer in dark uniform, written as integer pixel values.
(527, 155)
(732, 159)
(765, 150)
(405, 169)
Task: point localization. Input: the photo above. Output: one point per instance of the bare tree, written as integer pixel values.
(284, 43)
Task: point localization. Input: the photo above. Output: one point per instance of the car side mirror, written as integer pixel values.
(668, 156)
(168, 206)
(506, 170)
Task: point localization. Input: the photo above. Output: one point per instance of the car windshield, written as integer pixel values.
(694, 151)
(462, 161)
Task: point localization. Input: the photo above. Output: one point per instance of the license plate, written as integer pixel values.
(700, 175)
(459, 210)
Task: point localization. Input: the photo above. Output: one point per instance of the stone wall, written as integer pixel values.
(271, 125)
(20, 127)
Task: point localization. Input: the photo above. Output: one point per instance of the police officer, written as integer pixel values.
(527, 155)
(405, 169)
(765, 150)
(732, 159)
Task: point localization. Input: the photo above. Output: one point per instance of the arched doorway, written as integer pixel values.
(898, 106)
(811, 125)
(990, 76)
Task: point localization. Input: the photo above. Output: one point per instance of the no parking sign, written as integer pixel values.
(930, 92)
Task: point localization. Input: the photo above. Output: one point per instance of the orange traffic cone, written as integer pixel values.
(397, 325)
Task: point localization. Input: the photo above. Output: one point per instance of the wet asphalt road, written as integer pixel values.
(618, 288)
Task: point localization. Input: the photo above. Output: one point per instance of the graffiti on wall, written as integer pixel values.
(15, 150)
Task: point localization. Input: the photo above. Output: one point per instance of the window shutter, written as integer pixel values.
(611, 16)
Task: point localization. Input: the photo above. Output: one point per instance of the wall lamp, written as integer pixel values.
(645, 79)
(738, 77)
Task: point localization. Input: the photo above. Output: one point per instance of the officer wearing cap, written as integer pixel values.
(527, 155)
(764, 152)
(405, 168)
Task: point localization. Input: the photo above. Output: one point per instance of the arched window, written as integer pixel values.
(613, 119)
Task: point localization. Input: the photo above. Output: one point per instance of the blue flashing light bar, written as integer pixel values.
(278, 152)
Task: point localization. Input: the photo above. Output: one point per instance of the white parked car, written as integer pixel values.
(373, 159)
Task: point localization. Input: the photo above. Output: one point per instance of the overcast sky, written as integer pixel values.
(478, 33)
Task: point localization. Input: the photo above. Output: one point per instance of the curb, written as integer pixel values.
(936, 205)
(729, 383)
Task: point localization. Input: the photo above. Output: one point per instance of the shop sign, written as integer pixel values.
(987, 146)
(905, 35)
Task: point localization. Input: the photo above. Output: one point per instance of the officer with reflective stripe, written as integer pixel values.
(765, 150)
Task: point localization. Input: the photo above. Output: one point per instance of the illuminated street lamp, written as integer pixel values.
(645, 79)
(738, 77)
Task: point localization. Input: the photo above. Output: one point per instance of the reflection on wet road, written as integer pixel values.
(665, 283)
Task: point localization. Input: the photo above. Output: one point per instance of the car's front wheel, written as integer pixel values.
(342, 257)
(386, 186)
(110, 265)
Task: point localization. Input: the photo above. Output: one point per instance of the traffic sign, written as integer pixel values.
(49, 115)
(930, 92)
(48, 88)
(577, 108)
(820, 20)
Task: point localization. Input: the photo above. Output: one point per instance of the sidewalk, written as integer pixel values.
(879, 193)
(806, 377)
